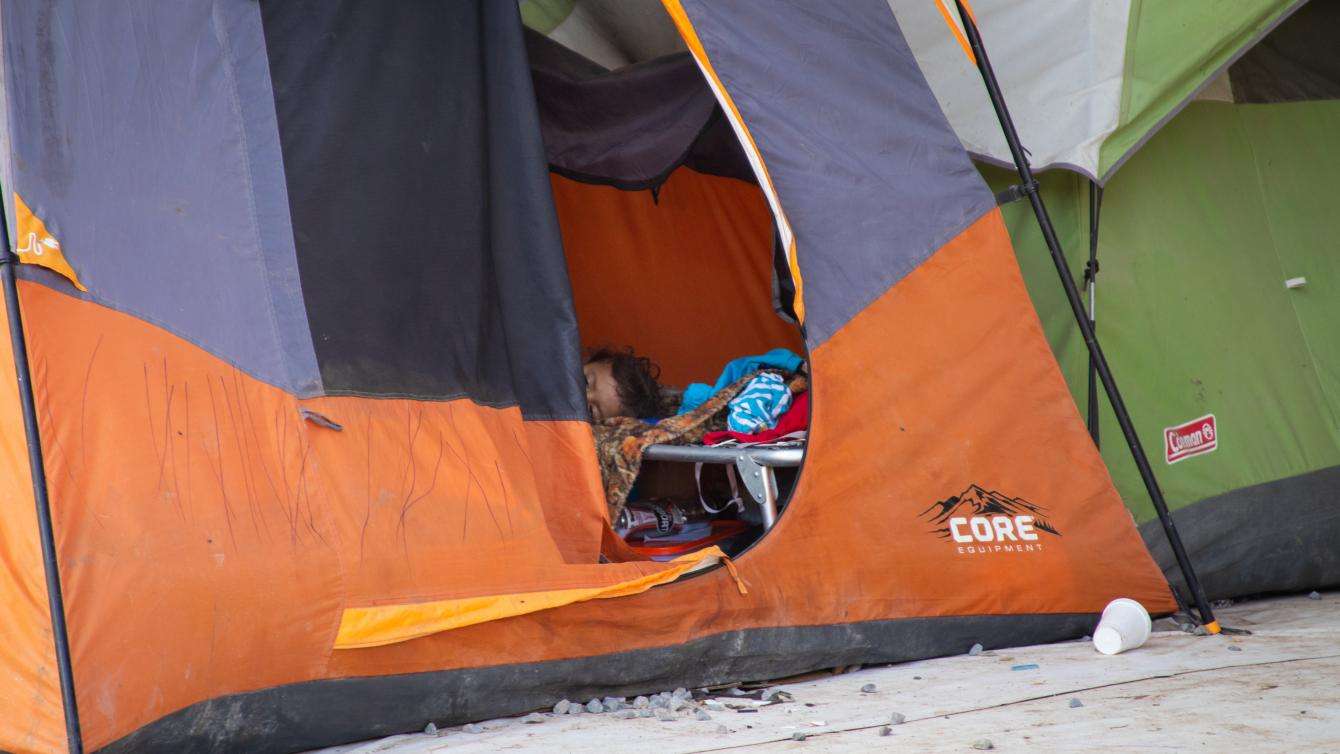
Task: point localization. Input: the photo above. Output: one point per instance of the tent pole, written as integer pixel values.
(55, 602)
(1091, 277)
(1030, 187)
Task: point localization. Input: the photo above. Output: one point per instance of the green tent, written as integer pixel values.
(1201, 233)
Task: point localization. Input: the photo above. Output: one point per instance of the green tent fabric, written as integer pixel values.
(1198, 234)
(1173, 50)
(1087, 82)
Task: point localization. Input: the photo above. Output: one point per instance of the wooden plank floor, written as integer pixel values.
(1279, 689)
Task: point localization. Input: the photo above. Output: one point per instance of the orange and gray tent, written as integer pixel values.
(305, 293)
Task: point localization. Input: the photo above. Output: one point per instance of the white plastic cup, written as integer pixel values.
(1125, 625)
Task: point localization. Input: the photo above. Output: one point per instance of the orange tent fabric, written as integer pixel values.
(340, 380)
(249, 524)
(168, 496)
(682, 275)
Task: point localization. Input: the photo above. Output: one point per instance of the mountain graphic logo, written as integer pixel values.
(977, 501)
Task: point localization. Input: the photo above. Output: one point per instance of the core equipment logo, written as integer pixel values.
(1191, 439)
(982, 522)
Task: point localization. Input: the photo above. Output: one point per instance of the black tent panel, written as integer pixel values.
(428, 248)
(1297, 61)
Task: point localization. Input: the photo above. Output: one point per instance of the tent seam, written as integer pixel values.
(234, 100)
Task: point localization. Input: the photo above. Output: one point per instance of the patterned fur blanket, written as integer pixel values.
(621, 440)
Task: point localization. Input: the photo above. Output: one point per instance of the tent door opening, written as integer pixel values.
(672, 254)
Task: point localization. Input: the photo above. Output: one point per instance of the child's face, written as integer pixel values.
(602, 392)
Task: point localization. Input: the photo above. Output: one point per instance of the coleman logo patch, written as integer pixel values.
(1191, 439)
(980, 521)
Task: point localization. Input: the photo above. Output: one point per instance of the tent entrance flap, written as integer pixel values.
(379, 625)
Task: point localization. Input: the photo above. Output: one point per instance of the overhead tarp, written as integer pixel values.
(632, 127)
(1086, 81)
(612, 33)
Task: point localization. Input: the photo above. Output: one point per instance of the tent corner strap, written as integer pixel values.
(1016, 192)
(1086, 328)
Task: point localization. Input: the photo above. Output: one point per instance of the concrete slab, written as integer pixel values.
(1272, 690)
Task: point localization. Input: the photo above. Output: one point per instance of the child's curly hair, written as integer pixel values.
(637, 379)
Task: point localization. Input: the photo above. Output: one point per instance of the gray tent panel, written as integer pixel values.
(848, 128)
(131, 172)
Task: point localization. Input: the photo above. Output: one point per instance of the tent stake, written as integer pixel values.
(1091, 278)
(1030, 186)
(55, 603)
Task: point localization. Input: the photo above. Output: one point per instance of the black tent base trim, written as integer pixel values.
(308, 715)
(1274, 537)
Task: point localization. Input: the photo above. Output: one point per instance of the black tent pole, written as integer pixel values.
(1091, 279)
(1030, 187)
(55, 603)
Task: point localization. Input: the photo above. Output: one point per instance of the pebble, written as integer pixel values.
(885, 730)
(595, 707)
(430, 729)
(916, 678)
(674, 704)
(1200, 631)
(665, 715)
(681, 693)
(473, 728)
(976, 650)
(1234, 648)
(714, 705)
(614, 703)
(646, 713)
(1074, 703)
(722, 730)
(1086, 637)
(562, 707)
(799, 736)
(576, 709)
(625, 714)
(641, 702)
(983, 744)
(1314, 595)
(897, 718)
(701, 715)
(869, 688)
(533, 718)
